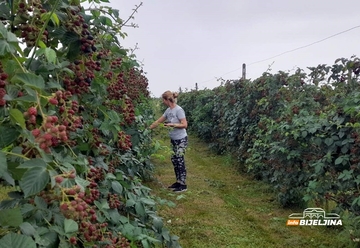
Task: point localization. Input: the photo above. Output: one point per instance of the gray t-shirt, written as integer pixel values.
(173, 116)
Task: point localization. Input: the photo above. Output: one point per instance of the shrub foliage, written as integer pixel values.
(299, 132)
(73, 109)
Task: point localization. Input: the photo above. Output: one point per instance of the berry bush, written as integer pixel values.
(299, 132)
(74, 107)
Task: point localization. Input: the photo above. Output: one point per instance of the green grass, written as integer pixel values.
(224, 208)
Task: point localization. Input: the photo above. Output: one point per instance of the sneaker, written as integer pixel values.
(181, 188)
(174, 185)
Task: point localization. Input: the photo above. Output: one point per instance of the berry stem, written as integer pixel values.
(16, 154)
(39, 105)
(18, 62)
(73, 153)
(42, 31)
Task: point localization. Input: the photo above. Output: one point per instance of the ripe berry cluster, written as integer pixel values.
(3, 82)
(54, 130)
(124, 141)
(78, 209)
(50, 134)
(136, 84)
(93, 232)
(95, 175)
(68, 110)
(76, 23)
(78, 205)
(128, 111)
(114, 201)
(117, 89)
(96, 140)
(114, 163)
(30, 31)
(83, 75)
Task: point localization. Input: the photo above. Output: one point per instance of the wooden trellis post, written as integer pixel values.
(243, 72)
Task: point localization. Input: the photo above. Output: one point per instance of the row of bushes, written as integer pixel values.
(73, 144)
(299, 132)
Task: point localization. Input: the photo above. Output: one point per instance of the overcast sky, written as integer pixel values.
(183, 42)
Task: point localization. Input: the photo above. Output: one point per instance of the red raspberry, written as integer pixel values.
(59, 94)
(64, 206)
(54, 130)
(54, 119)
(3, 76)
(35, 132)
(73, 240)
(32, 111)
(47, 136)
(48, 119)
(43, 146)
(53, 101)
(59, 179)
(79, 208)
(62, 128)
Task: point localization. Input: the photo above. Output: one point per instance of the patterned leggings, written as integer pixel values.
(177, 158)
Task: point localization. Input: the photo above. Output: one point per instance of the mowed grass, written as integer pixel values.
(224, 208)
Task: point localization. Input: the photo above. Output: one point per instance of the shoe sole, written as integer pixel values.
(180, 191)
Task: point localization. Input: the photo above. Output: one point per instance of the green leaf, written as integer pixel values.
(339, 160)
(95, 13)
(35, 162)
(27, 229)
(3, 31)
(29, 79)
(140, 209)
(3, 164)
(34, 180)
(26, 98)
(117, 187)
(15, 240)
(158, 223)
(11, 217)
(329, 141)
(50, 55)
(130, 203)
(346, 175)
(5, 48)
(54, 18)
(105, 20)
(114, 215)
(82, 182)
(41, 44)
(17, 117)
(304, 134)
(8, 135)
(147, 201)
(40, 203)
(70, 226)
(5, 11)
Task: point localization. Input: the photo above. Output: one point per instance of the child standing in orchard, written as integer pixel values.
(174, 116)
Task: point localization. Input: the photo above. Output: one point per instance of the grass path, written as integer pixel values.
(223, 208)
